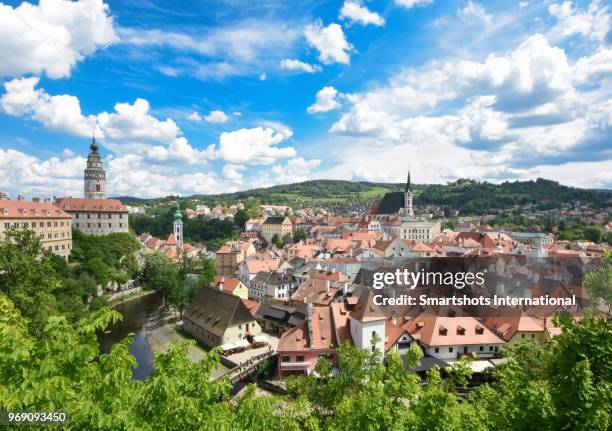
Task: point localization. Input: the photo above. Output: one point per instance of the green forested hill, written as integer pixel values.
(467, 196)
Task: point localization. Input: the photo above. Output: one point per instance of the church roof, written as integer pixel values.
(391, 203)
(171, 240)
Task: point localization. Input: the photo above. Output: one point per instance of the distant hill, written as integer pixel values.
(467, 196)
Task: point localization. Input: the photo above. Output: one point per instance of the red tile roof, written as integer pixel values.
(91, 205)
(26, 209)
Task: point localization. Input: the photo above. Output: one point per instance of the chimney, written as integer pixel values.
(4, 196)
(20, 197)
(221, 284)
(327, 285)
(333, 270)
(36, 200)
(345, 288)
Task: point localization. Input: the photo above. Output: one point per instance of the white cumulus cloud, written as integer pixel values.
(291, 64)
(329, 41)
(258, 145)
(409, 4)
(326, 100)
(53, 36)
(355, 12)
(63, 113)
(216, 116)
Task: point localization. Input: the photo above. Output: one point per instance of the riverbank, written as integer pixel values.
(160, 330)
(113, 302)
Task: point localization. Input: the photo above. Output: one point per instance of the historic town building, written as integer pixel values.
(395, 215)
(276, 225)
(51, 224)
(95, 214)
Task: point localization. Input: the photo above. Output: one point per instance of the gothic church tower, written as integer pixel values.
(408, 210)
(95, 176)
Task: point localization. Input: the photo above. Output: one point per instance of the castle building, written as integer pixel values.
(50, 223)
(95, 214)
(395, 214)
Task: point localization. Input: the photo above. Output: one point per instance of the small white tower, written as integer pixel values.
(178, 226)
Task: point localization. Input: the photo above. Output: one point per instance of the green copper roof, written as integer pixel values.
(178, 216)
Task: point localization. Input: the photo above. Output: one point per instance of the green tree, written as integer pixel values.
(240, 218)
(598, 284)
(27, 277)
(593, 234)
(207, 272)
(299, 235)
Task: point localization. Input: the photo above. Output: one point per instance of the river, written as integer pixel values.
(135, 313)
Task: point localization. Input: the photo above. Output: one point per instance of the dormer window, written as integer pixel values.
(442, 330)
(460, 330)
(5, 211)
(479, 330)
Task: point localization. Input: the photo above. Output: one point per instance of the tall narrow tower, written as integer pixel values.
(95, 176)
(178, 226)
(408, 210)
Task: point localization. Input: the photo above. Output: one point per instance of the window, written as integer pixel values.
(490, 348)
(522, 335)
(299, 358)
(99, 215)
(285, 358)
(532, 335)
(437, 350)
(48, 224)
(481, 348)
(450, 350)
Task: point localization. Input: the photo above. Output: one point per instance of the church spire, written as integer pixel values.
(408, 187)
(408, 210)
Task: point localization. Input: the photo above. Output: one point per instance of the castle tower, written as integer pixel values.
(95, 176)
(408, 210)
(178, 226)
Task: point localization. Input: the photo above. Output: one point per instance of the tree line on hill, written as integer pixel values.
(54, 363)
(468, 197)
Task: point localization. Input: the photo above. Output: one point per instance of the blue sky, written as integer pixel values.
(212, 96)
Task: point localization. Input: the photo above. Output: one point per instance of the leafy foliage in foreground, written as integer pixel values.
(565, 385)
(62, 369)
